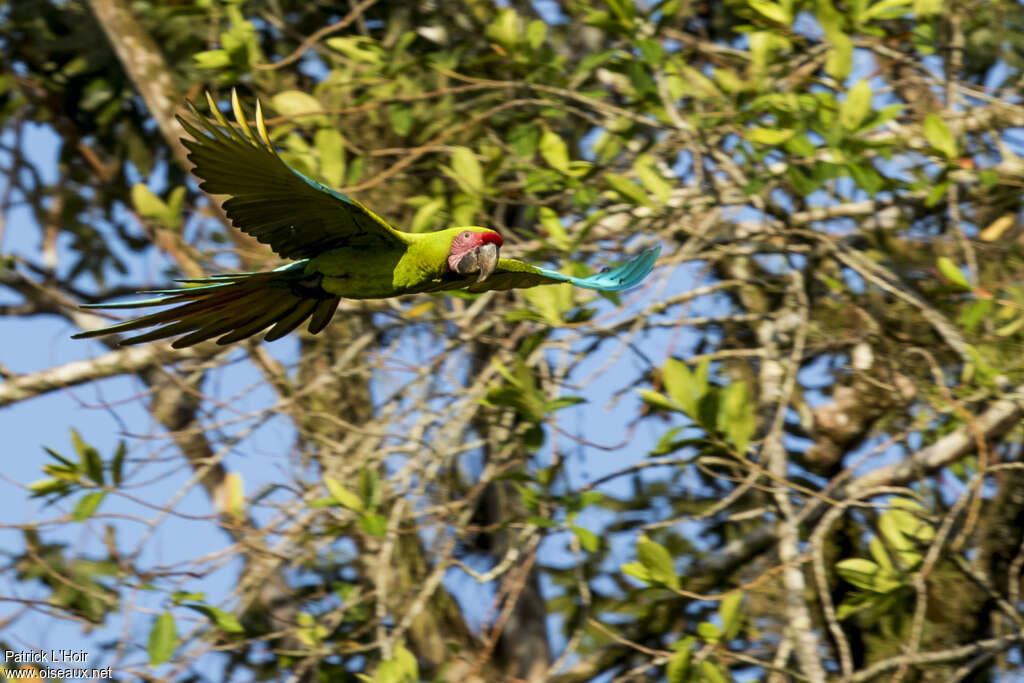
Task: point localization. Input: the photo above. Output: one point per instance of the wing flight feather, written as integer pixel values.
(296, 216)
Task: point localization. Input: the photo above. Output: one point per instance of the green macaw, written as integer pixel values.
(341, 249)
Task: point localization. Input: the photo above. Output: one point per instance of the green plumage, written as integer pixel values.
(341, 248)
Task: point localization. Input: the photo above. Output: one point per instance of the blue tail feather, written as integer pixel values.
(621, 277)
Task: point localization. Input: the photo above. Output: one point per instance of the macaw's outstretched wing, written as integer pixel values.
(298, 217)
(513, 274)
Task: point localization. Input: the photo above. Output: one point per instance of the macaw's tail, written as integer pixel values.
(236, 306)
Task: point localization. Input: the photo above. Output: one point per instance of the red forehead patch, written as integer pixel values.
(490, 236)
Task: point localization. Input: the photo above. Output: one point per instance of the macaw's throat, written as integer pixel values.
(482, 260)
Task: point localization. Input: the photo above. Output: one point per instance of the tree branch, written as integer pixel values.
(131, 359)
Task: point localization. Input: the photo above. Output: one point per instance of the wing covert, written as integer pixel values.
(296, 216)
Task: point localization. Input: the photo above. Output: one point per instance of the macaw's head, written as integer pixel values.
(474, 251)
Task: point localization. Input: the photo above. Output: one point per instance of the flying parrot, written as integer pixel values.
(339, 248)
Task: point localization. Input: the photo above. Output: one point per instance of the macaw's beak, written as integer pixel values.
(487, 259)
(482, 260)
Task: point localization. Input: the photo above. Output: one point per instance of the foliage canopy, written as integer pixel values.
(795, 454)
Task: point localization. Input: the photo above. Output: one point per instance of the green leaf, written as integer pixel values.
(700, 83)
(425, 215)
(711, 673)
(884, 115)
(406, 663)
(651, 51)
(356, 48)
(225, 621)
(629, 190)
(680, 385)
(400, 115)
(185, 596)
(880, 554)
(369, 487)
(89, 457)
(60, 458)
(468, 171)
(728, 80)
(1010, 328)
(840, 56)
(524, 139)
(624, 11)
(709, 631)
(175, 202)
(857, 601)
(529, 497)
(972, 316)
(87, 505)
(768, 136)
(667, 443)
(553, 227)
(542, 522)
(923, 8)
(856, 107)
(45, 487)
(886, 9)
(763, 44)
(657, 561)
(736, 417)
(536, 32)
(678, 666)
(505, 28)
(593, 60)
(867, 178)
(952, 272)
(936, 194)
(904, 531)
(651, 178)
(867, 575)
(330, 148)
(554, 151)
(939, 136)
(163, 638)
(729, 611)
(298, 103)
(309, 632)
(700, 377)
(147, 204)
(637, 571)
(551, 302)
(587, 538)
(464, 207)
(342, 495)
(374, 524)
(212, 59)
(562, 402)
(299, 154)
(656, 400)
(773, 11)
(70, 474)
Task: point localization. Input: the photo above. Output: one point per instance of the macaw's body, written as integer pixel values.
(416, 263)
(340, 250)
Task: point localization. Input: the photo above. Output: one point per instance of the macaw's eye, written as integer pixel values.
(467, 234)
